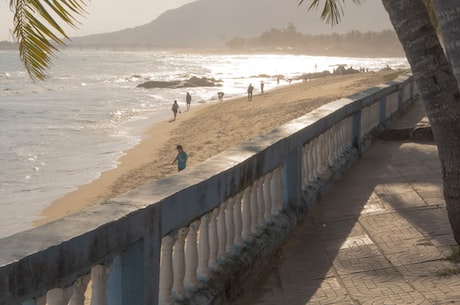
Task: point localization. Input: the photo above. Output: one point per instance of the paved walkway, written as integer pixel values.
(380, 237)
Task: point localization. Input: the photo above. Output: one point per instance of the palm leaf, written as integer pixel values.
(37, 29)
(332, 9)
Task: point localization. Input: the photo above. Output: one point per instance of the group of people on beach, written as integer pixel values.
(175, 106)
(220, 95)
(251, 89)
(181, 157)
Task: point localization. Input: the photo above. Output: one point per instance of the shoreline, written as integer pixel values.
(206, 130)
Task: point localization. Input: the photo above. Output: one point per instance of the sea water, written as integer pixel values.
(64, 132)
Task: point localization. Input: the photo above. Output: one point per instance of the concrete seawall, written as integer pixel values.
(195, 238)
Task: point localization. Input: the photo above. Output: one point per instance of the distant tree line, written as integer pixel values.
(354, 43)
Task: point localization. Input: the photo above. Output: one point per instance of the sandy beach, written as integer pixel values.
(206, 130)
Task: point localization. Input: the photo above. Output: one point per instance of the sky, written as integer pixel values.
(103, 16)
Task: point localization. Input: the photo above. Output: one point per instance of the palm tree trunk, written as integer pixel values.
(448, 16)
(439, 91)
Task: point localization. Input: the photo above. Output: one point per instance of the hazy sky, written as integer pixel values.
(103, 15)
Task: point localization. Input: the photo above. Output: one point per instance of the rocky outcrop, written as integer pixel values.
(192, 82)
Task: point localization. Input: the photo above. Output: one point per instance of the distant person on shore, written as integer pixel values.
(188, 100)
(262, 87)
(181, 158)
(220, 96)
(175, 108)
(250, 89)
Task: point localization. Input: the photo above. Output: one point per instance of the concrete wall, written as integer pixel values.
(118, 244)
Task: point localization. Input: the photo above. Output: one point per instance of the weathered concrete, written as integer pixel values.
(380, 236)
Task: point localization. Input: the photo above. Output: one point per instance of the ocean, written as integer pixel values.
(64, 132)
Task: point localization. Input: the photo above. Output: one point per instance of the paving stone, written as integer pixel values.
(381, 236)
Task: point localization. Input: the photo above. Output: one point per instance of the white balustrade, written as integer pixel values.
(191, 258)
(179, 265)
(276, 190)
(311, 162)
(237, 217)
(260, 204)
(99, 277)
(304, 166)
(329, 138)
(230, 227)
(78, 290)
(267, 200)
(58, 296)
(246, 232)
(213, 240)
(274, 194)
(221, 236)
(254, 210)
(204, 249)
(166, 270)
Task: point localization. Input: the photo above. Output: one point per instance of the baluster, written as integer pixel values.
(166, 270)
(329, 147)
(99, 276)
(274, 194)
(57, 296)
(342, 138)
(343, 134)
(247, 215)
(203, 254)
(213, 240)
(260, 204)
(79, 289)
(238, 221)
(340, 142)
(230, 227)
(317, 157)
(221, 234)
(322, 154)
(179, 265)
(267, 198)
(334, 146)
(254, 213)
(279, 190)
(311, 161)
(347, 133)
(191, 258)
(304, 166)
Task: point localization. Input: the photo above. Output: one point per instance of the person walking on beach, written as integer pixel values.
(250, 89)
(181, 158)
(262, 87)
(220, 95)
(188, 100)
(175, 109)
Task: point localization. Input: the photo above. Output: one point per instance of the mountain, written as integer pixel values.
(211, 23)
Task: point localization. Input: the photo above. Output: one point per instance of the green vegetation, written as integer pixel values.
(455, 258)
(355, 43)
(448, 271)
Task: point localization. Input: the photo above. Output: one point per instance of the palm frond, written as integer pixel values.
(38, 31)
(332, 10)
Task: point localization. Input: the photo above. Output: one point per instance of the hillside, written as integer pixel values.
(212, 23)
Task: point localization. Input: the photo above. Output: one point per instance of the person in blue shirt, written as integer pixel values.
(181, 158)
